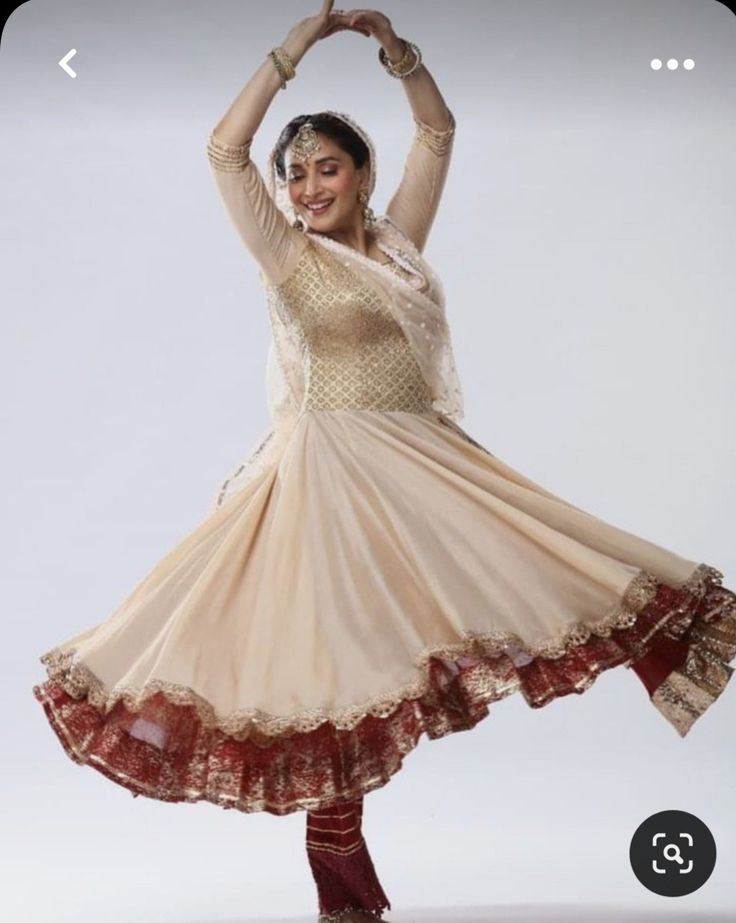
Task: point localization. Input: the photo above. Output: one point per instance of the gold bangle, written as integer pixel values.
(283, 64)
(288, 63)
(409, 62)
(273, 55)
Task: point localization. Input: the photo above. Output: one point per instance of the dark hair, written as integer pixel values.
(340, 132)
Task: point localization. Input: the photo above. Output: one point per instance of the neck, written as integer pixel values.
(356, 237)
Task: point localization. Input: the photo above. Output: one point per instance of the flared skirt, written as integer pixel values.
(385, 577)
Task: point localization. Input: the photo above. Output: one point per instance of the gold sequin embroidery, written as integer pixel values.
(437, 141)
(230, 158)
(337, 916)
(356, 355)
(691, 689)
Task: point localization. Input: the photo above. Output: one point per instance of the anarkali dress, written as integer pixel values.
(371, 573)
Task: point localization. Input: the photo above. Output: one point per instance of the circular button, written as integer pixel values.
(672, 853)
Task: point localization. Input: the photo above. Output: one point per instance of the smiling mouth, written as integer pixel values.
(319, 211)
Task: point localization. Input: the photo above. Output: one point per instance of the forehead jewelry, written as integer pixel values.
(305, 143)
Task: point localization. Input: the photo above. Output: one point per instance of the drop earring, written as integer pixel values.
(368, 214)
(297, 222)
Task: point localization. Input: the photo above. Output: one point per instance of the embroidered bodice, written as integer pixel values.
(355, 354)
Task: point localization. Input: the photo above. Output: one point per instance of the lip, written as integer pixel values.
(329, 201)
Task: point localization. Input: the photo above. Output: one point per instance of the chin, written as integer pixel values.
(322, 228)
(321, 224)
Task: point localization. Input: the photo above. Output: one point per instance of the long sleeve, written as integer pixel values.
(262, 226)
(414, 204)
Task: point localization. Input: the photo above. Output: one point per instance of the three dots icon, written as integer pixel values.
(672, 64)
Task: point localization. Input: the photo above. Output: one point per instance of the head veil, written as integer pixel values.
(421, 315)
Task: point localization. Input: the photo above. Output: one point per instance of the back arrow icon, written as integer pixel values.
(65, 66)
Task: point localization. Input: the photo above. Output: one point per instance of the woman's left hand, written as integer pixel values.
(367, 22)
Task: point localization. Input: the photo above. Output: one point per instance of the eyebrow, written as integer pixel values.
(319, 160)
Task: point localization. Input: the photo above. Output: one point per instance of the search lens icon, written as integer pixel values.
(675, 852)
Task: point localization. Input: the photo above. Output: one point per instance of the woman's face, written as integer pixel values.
(328, 175)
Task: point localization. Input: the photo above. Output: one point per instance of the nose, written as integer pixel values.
(312, 185)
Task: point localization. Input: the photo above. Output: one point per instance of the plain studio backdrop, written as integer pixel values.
(585, 241)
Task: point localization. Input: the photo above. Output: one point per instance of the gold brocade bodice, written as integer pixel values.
(356, 356)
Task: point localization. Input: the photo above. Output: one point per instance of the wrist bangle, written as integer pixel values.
(410, 61)
(283, 64)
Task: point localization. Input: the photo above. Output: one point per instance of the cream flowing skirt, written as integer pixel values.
(386, 577)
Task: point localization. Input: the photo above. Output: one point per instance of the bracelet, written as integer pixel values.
(438, 141)
(283, 64)
(229, 158)
(410, 61)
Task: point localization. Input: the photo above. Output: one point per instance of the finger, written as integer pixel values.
(339, 26)
(353, 19)
(331, 31)
(326, 7)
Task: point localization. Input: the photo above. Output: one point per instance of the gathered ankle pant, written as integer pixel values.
(341, 865)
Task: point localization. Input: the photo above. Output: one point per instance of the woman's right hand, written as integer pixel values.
(307, 31)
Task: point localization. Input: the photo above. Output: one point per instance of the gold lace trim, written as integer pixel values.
(438, 141)
(230, 158)
(337, 915)
(79, 681)
(693, 687)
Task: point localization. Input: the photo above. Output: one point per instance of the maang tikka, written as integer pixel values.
(306, 142)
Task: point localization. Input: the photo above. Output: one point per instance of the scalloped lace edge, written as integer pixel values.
(66, 670)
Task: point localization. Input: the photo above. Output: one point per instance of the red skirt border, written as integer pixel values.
(165, 742)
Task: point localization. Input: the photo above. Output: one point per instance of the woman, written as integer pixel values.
(370, 573)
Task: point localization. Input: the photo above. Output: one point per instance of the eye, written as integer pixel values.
(295, 179)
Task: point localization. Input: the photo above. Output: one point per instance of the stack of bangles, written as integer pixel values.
(409, 62)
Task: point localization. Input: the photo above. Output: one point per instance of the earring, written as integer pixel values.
(297, 222)
(368, 214)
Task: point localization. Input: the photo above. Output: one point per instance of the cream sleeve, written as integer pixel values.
(414, 204)
(262, 226)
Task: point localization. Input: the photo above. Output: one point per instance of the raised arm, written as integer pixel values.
(264, 229)
(414, 204)
(262, 226)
